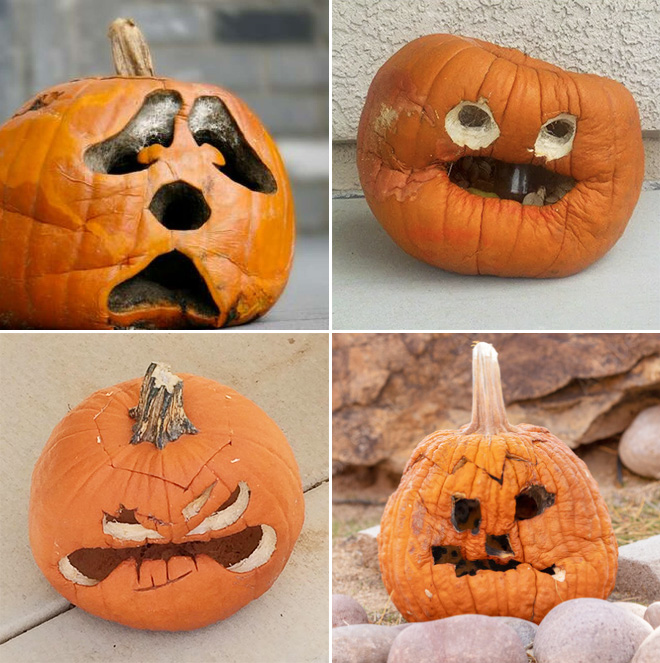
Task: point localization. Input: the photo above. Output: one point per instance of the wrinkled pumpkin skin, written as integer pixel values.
(88, 468)
(68, 235)
(404, 151)
(574, 534)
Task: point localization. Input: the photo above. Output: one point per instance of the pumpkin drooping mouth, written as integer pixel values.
(525, 183)
(240, 552)
(169, 281)
(463, 567)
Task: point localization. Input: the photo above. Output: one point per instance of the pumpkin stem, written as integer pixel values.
(159, 414)
(130, 52)
(488, 411)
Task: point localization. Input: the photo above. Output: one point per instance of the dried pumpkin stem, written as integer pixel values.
(130, 52)
(160, 417)
(488, 411)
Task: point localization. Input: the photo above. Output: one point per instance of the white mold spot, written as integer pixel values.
(260, 555)
(555, 139)
(71, 573)
(385, 119)
(228, 516)
(471, 124)
(559, 574)
(426, 591)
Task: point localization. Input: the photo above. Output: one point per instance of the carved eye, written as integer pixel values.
(211, 122)
(228, 513)
(556, 136)
(471, 124)
(125, 526)
(533, 501)
(465, 514)
(153, 124)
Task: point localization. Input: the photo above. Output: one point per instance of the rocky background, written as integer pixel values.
(391, 390)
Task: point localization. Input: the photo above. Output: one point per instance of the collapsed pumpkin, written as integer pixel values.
(494, 519)
(138, 201)
(160, 518)
(481, 160)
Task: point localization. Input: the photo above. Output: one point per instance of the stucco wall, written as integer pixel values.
(615, 38)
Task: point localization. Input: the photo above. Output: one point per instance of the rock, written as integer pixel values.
(362, 643)
(526, 630)
(649, 650)
(346, 610)
(461, 639)
(652, 614)
(589, 631)
(639, 569)
(639, 448)
(636, 608)
(391, 390)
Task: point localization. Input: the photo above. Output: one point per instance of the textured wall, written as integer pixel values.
(615, 38)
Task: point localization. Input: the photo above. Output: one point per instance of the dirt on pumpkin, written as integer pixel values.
(359, 497)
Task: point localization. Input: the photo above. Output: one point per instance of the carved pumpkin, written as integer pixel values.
(137, 201)
(482, 160)
(494, 519)
(167, 522)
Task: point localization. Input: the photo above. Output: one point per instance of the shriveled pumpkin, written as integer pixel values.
(138, 201)
(481, 160)
(494, 519)
(162, 518)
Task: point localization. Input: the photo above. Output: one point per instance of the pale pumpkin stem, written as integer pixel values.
(130, 52)
(488, 411)
(160, 417)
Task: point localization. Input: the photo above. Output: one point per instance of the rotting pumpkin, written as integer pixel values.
(138, 201)
(494, 519)
(160, 518)
(481, 160)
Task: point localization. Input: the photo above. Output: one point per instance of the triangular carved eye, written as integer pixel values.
(211, 122)
(152, 124)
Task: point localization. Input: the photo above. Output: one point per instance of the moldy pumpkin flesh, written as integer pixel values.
(139, 201)
(481, 160)
(494, 519)
(158, 534)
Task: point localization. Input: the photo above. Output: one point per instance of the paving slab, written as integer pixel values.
(43, 374)
(377, 286)
(638, 575)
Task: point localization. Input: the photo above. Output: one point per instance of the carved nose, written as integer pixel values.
(180, 206)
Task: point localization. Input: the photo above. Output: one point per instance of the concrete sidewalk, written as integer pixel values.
(44, 374)
(379, 287)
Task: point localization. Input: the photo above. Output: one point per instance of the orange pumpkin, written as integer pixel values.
(137, 201)
(143, 516)
(494, 519)
(482, 160)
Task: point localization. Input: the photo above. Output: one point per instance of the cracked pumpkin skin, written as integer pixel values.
(573, 536)
(78, 479)
(404, 152)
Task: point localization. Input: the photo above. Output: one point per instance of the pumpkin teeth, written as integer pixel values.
(525, 183)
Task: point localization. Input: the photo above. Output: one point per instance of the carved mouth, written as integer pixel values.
(469, 567)
(169, 281)
(239, 553)
(524, 183)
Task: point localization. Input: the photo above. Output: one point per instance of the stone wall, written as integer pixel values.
(273, 53)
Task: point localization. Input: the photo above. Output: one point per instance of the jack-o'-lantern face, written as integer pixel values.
(140, 202)
(241, 552)
(169, 538)
(482, 160)
(494, 519)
